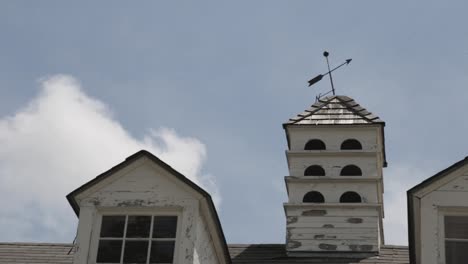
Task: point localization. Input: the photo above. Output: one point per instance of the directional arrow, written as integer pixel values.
(319, 77)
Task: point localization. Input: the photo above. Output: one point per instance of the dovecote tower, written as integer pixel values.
(335, 156)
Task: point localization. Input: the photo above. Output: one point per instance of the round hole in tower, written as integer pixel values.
(351, 170)
(351, 144)
(315, 144)
(314, 170)
(350, 197)
(313, 197)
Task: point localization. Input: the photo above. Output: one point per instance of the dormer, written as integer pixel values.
(438, 217)
(144, 211)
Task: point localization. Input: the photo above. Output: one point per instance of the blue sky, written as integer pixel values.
(219, 79)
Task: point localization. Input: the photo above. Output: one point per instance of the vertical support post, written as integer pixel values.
(325, 54)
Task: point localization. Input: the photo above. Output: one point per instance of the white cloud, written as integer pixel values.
(398, 179)
(61, 140)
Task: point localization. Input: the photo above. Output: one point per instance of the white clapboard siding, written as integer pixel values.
(367, 235)
(333, 245)
(332, 231)
(336, 219)
(459, 184)
(333, 222)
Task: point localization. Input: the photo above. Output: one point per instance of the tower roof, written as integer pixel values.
(335, 110)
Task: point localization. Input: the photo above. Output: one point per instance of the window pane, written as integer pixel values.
(456, 226)
(138, 226)
(112, 226)
(109, 251)
(165, 227)
(135, 251)
(162, 251)
(456, 252)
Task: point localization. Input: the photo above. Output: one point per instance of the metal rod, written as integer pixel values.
(331, 78)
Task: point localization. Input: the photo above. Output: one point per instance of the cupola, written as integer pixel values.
(335, 157)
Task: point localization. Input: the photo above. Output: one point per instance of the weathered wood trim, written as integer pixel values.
(332, 179)
(217, 241)
(333, 126)
(441, 178)
(323, 224)
(332, 205)
(296, 211)
(84, 235)
(312, 232)
(334, 153)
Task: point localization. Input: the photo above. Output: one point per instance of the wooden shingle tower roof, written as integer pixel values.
(335, 110)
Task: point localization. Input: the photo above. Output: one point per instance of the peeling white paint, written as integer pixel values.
(334, 226)
(144, 187)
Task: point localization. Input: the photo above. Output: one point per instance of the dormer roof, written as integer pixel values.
(207, 202)
(335, 110)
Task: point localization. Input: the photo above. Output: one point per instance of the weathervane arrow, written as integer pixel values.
(319, 77)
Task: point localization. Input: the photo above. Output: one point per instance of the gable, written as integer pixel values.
(131, 163)
(141, 183)
(458, 183)
(452, 178)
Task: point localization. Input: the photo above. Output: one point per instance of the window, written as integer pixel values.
(313, 197)
(456, 239)
(350, 197)
(137, 239)
(351, 170)
(315, 144)
(351, 144)
(314, 170)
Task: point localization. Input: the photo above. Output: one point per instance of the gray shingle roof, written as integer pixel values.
(276, 254)
(332, 110)
(45, 253)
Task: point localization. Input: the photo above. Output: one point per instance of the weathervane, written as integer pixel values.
(320, 76)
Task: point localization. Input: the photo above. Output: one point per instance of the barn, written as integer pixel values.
(144, 211)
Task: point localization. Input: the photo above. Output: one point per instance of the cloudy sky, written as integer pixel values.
(206, 85)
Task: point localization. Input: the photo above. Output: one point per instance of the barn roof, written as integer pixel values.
(47, 253)
(334, 110)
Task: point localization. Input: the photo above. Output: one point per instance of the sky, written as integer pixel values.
(206, 86)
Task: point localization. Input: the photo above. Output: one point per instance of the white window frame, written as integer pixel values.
(134, 211)
(443, 212)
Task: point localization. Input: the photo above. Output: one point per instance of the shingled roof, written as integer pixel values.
(334, 110)
(46, 253)
(276, 254)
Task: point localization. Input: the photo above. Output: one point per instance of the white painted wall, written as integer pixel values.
(332, 226)
(450, 197)
(144, 187)
(333, 163)
(204, 246)
(333, 190)
(333, 136)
